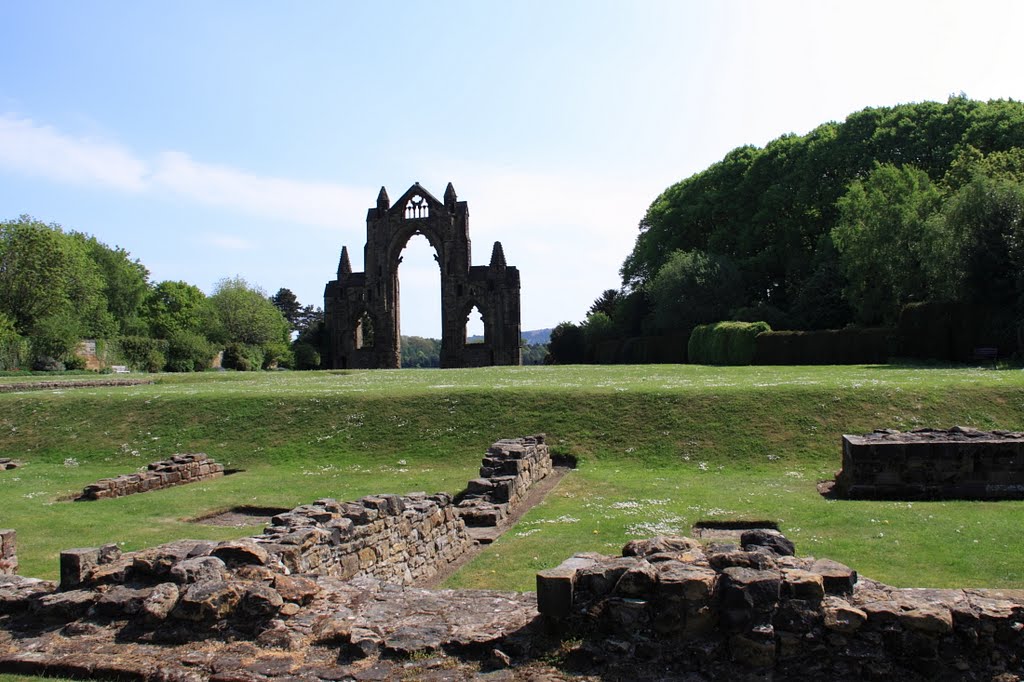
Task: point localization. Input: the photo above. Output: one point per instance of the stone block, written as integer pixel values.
(837, 578)
(685, 582)
(555, 587)
(76, 565)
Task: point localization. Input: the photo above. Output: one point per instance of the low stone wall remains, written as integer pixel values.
(167, 473)
(6, 463)
(391, 538)
(758, 607)
(70, 383)
(8, 552)
(958, 463)
(508, 470)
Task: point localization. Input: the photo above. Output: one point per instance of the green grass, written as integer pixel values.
(660, 448)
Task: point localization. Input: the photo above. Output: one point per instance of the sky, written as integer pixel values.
(222, 139)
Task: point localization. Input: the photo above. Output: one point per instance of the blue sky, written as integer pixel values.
(213, 139)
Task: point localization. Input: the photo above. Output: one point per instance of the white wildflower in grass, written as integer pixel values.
(402, 462)
(794, 474)
(628, 504)
(527, 533)
(70, 462)
(773, 458)
(703, 466)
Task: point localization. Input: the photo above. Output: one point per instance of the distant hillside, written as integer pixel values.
(535, 337)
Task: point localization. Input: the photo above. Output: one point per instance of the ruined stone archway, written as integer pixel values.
(493, 288)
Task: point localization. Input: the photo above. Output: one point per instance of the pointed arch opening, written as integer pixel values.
(419, 289)
(364, 331)
(475, 331)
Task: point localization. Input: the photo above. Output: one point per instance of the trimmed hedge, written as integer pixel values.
(851, 346)
(725, 343)
(949, 332)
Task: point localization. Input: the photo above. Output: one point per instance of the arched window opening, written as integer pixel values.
(476, 330)
(417, 208)
(419, 290)
(364, 331)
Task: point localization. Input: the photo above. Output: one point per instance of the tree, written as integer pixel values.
(242, 313)
(45, 272)
(566, 346)
(174, 307)
(597, 328)
(606, 303)
(125, 281)
(286, 301)
(694, 288)
(886, 241)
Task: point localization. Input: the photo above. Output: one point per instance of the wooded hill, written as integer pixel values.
(844, 225)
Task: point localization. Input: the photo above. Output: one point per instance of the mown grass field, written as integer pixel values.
(659, 448)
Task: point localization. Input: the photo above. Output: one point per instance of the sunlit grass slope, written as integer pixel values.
(660, 448)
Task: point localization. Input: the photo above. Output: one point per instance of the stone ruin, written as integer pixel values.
(6, 463)
(8, 552)
(508, 471)
(958, 463)
(327, 593)
(167, 473)
(361, 309)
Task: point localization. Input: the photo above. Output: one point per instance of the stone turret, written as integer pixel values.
(497, 256)
(345, 265)
(383, 202)
(449, 197)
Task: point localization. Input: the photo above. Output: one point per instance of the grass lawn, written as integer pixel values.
(660, 448)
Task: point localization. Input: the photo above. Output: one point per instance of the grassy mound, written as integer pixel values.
(660, 448)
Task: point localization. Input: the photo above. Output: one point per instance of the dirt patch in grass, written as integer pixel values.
(238, 517)
(728, 529)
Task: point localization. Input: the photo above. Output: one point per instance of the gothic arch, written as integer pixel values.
(492, 288)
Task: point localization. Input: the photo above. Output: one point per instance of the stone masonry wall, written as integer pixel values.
(178, 470)
(697, 609)
(8, 552)
(395, 539)
(957, 463)
(508, 470)
(391, 538)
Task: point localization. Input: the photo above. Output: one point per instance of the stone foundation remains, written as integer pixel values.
(508, 470)
(758, 607)
(7, 463)
(958, 463)
(668, 608)
(8, 552)
(167, 473)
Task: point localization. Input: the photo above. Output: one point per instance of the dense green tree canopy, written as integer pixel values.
(771, 211)
(242, 313)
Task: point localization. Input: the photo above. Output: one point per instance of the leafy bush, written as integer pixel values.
(850, 346)
(242, 357)
(725, 343)
(55, 337)
(307, 356)
(74, 362)
(188, 352)
(277, 354)
(143, 353)
(566, 346)
(13, 348)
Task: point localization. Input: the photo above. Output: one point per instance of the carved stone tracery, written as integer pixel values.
(361, 309)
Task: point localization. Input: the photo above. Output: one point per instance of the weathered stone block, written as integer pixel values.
(76, 565)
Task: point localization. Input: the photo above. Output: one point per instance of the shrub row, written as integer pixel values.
(851, 346)
(950, 332)
(724, 343)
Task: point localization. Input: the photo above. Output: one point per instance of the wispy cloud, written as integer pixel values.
(227, 241)
(27, 147)
(42, 151)
(308, 203)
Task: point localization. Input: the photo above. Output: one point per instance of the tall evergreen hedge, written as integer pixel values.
(725, 343)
